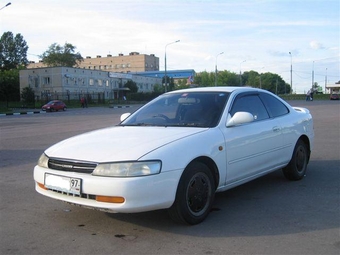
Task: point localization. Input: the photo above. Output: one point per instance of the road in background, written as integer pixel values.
(267, 216)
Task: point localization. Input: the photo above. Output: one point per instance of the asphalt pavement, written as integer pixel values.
(269, 215)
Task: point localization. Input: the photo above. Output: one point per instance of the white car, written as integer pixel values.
(178, 150)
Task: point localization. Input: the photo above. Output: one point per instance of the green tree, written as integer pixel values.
(158, 88)
(226, 78)
(205, 79)
(27, 95)
(274, 83)
(132, 86)
(317, 87)
(9, 86)
(13, 51)
(57, 55)
(251, 78)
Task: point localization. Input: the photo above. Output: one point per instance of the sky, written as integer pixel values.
(252, 34)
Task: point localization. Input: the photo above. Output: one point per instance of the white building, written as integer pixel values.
(333, 88)
(71, 83)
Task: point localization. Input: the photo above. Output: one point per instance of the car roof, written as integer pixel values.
(216, 89)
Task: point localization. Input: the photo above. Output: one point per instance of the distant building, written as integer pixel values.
(71, 83)
(333, 88)
(100, 77)
(175, 74)
(134, 62)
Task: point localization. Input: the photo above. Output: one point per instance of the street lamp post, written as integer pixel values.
(216, 68)
(5, 6)
(313, 76)
(326, 81)
(241, 73)
(291, 72)
(165, 77)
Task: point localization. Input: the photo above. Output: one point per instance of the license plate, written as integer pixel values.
(63, 183)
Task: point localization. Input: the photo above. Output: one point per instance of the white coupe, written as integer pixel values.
(179, 149)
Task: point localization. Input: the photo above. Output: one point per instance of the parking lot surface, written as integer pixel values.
(269, 215)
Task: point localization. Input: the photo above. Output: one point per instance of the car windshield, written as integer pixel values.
(194, 109)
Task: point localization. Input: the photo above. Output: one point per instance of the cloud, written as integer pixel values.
(316, 45)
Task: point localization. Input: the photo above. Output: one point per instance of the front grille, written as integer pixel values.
(83, 195)
(71, 166)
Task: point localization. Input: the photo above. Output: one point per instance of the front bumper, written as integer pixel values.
(141, 194)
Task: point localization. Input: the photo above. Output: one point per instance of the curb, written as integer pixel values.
(35, 112)
(119, 106)
(21, 113)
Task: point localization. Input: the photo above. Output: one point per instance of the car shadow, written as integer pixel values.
(270, 205)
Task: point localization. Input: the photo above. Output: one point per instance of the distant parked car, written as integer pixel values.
(334, 96)
(176, 151)
(54, 105)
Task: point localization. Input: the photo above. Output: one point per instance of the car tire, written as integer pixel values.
(297, 167)
(64, 109)
(195, 195)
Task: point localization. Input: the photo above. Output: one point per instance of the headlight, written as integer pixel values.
(43, 161)
(128, 169)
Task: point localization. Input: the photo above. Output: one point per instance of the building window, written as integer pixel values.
(91, 82)
(100, 82)
(46, 80)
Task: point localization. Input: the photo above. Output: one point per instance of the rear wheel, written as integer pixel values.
(297, 167)
(195, 195)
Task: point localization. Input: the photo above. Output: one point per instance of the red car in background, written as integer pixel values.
(334, 96)
(54, 105)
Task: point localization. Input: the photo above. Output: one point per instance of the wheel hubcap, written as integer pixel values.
(198, 194)
(300, 159)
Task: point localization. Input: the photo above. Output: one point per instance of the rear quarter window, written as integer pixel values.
(274, 106)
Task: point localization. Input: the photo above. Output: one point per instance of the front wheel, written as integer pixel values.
(297, 167)
(195, 195)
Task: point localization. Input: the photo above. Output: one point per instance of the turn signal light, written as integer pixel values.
(41, 185)
(107, 199)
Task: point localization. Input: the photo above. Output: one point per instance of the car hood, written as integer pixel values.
(119, 143)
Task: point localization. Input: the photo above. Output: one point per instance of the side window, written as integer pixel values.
(274, 106)
(251, 104)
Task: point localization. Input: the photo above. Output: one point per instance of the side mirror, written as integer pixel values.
(124, 116)
(240, 118)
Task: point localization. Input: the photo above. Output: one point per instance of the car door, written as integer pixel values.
(251, 148)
